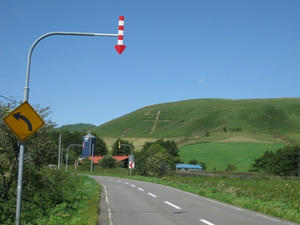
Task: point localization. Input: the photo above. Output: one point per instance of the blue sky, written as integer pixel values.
(176, 50)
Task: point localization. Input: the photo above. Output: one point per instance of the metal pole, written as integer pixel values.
(19, 189)
(130, 157)
(26, 97)
(92, 161)
(59, 149)
(67, 155)
(61, 156)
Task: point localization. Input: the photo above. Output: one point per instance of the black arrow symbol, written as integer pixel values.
(19, 116)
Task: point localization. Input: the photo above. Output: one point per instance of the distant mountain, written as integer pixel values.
(77, 127)
(196, 117)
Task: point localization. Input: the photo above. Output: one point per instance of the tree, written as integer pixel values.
(284, 162)
(170, 146)
(203, 165)
(158, 164)
(122, 147)
(108, 162)
(40, 150)
(193, 161)
(100, 147)
(154, 161)
(231, 167)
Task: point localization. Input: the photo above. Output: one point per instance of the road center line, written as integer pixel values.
(132, 185)
(141, 189)
(171, 204)
(153, 195)
(206, 222)
(108, 208)
(126, 182)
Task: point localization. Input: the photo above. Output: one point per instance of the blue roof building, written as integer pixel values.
(180, 166)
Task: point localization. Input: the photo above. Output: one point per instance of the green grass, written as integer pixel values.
(82, 207)
(219, 154)
(193, 118)
(273, 196)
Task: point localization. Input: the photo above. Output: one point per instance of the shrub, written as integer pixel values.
(193, 161)
(231, 167)
(108, 162)
(203, 165)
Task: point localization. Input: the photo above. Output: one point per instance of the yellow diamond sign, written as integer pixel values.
(24, 121)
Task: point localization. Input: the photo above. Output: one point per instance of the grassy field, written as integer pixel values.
(219, 154)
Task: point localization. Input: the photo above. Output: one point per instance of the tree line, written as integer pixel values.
(283, 162)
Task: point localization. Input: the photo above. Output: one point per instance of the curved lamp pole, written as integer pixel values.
(67, 153)
(120, 47)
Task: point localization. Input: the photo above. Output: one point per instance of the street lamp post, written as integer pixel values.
(67, 153)
(119, 47)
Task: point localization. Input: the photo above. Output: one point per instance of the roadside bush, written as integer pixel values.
(193, 161)
(231, 167)
(158, 164)
(108, 162)
(203, 165)
(85, 165)
(155, 161)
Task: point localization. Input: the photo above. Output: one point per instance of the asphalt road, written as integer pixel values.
(130, 202)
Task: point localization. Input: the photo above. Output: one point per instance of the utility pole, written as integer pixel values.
(59, 149)
(92, 161)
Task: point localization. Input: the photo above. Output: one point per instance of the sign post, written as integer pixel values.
(28, 122)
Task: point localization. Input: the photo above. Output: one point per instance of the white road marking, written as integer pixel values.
(153, 195)
(223, 204)
(132, 185)
(141, 189)
(266, 217)
(108, 208)
(206, 222)
(171, 204)
(118, 181)
(126, 183)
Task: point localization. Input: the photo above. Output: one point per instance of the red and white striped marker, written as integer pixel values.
(120, 47)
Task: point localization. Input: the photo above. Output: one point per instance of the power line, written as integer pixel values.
(11, 100)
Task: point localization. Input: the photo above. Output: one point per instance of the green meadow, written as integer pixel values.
(219, 154)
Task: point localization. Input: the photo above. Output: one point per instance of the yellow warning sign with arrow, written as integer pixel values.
(24, 121)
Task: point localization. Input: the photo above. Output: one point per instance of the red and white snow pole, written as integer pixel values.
(120, 46)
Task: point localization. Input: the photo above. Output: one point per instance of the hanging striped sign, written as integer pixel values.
(120, 46)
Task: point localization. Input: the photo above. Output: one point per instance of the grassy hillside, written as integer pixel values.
(219, 154)
(194, 118)
(77, 127)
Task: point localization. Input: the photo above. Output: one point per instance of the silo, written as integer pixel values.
(87, 145)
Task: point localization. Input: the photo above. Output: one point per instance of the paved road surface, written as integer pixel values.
(130, 202)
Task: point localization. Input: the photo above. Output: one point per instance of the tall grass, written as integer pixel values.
(81, 206)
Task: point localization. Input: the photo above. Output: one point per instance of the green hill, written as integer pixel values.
(77, 127)
(198, 117)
